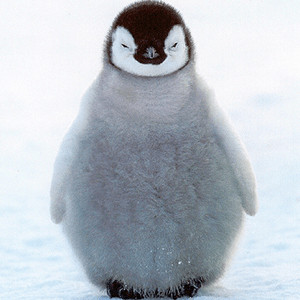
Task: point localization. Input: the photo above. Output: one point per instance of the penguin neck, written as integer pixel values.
(155, 98)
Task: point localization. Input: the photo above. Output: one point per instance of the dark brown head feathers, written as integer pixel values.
(148, 20)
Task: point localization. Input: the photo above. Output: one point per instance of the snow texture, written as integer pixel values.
(50, 52)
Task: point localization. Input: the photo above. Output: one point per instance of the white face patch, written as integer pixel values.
(124, 48)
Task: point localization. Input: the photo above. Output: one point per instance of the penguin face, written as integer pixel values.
(149, 39)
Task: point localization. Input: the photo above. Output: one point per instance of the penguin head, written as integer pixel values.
(149, 38)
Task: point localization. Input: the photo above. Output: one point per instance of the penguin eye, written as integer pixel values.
(125, 46)
(174, 46)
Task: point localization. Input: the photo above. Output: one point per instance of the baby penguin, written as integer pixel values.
(151, 183)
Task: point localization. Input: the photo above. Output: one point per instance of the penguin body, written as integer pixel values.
(151, 183)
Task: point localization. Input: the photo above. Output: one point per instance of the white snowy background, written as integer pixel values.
(248, 51)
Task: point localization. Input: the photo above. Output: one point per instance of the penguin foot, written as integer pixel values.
(186, 289)
(116, 289)
(191, 288)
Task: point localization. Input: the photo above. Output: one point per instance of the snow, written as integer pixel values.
(50, 51)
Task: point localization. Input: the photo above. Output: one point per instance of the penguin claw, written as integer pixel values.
(129, 294)
(115, 289)
(190, 290)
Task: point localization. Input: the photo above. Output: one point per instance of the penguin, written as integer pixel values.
(151, 183)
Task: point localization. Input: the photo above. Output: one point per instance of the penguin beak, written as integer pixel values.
(150, 54)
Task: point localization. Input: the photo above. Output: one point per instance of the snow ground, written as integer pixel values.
(50, 51)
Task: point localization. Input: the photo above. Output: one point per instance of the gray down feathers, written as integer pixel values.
(151, 183)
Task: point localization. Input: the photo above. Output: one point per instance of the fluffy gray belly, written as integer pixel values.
(152, 207)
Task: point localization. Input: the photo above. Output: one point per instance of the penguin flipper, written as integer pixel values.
(60, 176)
(67, 156)
(62, 171)
(57, 209)
(229, 142)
